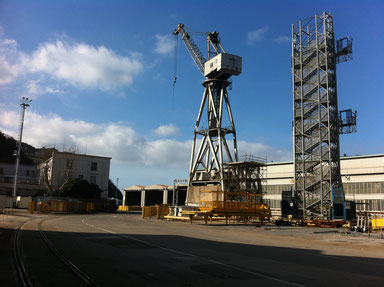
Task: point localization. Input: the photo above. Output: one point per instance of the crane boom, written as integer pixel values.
(192, 48)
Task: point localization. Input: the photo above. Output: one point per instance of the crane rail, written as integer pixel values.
(22, 272)
(84, 277)
(18, 261)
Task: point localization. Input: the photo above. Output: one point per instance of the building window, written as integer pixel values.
(27, 173)
(1, 170)
(94, 166)
(92, 179)
(81, 176)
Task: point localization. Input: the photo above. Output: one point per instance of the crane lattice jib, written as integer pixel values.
(192, 48)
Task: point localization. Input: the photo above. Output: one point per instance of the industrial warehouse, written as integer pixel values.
(362, 177)
(310, 217)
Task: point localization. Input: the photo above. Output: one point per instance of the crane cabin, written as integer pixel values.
(222, 65)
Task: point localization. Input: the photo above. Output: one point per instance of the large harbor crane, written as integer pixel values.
(210, 147)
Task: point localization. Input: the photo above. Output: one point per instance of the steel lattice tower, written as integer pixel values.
(213, 144)
(316, 123)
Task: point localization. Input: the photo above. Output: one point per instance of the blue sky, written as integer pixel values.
(100, 75)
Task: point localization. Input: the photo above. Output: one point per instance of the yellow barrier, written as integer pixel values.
(31, 206)
(129, 208)
(377, 224)
(7, 211)
(90, 206)
(123, 208)
(233, 206)
(158, 210)
(62, 206)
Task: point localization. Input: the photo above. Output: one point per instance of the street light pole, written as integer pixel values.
(24, 104)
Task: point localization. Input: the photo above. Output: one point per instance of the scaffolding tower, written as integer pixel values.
(244, 183)
(247, 176)
(317, 122)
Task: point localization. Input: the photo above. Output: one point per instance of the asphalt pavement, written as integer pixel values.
(126, 250)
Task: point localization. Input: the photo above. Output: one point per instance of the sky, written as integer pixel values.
(100, 76)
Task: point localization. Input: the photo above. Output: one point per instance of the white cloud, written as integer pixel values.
(69, 62)
(257, 34)
(167, 130)
(35, 88)
(164, 44)
(283, 39)
(7, 72)
(167, 153)
(117, 140)
(264, 151)
(9, 42)
(82, 65)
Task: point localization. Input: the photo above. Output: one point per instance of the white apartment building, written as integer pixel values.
(94, 169)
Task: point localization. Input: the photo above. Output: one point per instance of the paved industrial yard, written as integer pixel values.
(125, 250)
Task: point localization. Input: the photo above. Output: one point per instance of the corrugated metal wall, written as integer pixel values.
(274, 191)
(367, 195)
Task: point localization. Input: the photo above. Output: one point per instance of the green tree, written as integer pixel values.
(80, 188)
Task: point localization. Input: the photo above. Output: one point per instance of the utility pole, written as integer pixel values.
(24, 104)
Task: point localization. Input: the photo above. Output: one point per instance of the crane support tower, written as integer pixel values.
(317, 123)
(210, 147)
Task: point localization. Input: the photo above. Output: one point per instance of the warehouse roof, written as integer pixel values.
(342, 158)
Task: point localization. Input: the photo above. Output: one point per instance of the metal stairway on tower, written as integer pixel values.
(317, 123)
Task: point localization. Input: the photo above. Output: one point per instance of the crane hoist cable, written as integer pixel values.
(174, 70)
(175, 61)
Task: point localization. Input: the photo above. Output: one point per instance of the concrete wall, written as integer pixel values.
(23, 201)
(5, 202)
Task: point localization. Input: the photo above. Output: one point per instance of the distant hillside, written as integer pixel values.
(7, 147)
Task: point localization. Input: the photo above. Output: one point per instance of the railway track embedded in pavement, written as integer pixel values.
(23, 278)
